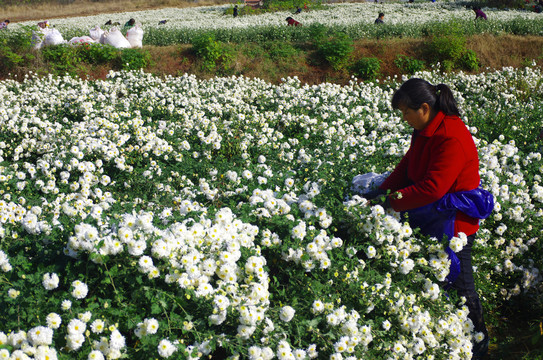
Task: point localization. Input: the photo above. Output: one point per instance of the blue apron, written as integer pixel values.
(437, 219)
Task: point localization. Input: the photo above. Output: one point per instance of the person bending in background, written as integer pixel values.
(380, 18)
(479, 14)
(436, 184)
(129, 24)
(292, 22)
(4, 24)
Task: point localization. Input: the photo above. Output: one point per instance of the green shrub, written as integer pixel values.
(450, 47)
(447, 65)
(336, 49)
(21, 40)
(277, 5)
(469, 61)
(278, 50)
(317, 32)
(451, 53)
(408, 64)
(15, 49)
(367, 68)
(98, 54)
(212, 52)
(134, 59)
(9, 59)
(62, 59)
(242, 10)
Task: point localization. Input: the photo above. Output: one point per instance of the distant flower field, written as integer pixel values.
(179, 218)
(357, 19)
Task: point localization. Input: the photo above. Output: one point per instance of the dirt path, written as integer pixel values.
(38, 12)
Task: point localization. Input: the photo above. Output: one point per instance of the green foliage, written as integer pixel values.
(22, 39)
(15, 50)
(317, 32)
(97, 54)
(451, 53)
(409, 65)
(367, 68)
(279, 50)
(336, 49)
(468, 61)
(63, 59)
(133, 59)
(213, 53)
(450, 47)
(242, 11)
(9, 59)
(279, 5)
(505, 4)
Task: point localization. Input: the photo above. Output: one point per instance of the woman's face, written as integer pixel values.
(418, 119)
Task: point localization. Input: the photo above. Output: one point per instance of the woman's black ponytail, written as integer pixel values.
(446, 101)
(414, 92)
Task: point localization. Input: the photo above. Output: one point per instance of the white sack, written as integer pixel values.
(81, 40)
(37, 38)
(96, 33)
(365, 183)
(134, 35)
(114, 38)
(53, 37)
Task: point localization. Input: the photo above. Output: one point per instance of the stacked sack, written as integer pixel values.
(115, 38)
(134, 35)
(81, 40)
(45, 36)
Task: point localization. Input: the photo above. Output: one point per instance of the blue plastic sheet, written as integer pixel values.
(437, 219)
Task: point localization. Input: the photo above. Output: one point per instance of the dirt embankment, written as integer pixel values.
(493, 52)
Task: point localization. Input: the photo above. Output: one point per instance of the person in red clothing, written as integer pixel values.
(292, 22)
(440, 168)
(479, 14)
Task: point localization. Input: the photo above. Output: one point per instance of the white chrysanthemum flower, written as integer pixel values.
(53, 320)
(85, 316)
(80, 289)
(76, 326)
(40, 335)
(386, 325)
(116, 340)
(371, 252)
(166, 348)
(98, 326)
(66, 305)
(50, 281)
(287, 313)
(96, 355)
(406, 266)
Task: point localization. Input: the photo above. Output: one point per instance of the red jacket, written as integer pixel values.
(442, 159)
(293, 22)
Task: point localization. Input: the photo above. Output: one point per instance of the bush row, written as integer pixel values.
(217, 57)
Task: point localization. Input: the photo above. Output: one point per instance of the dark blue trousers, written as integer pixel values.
(465, 286)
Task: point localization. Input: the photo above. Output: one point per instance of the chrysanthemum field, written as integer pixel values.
(145, 217)
(402, 19)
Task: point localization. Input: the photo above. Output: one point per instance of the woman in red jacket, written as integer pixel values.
(292, 22)
(437, 183)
